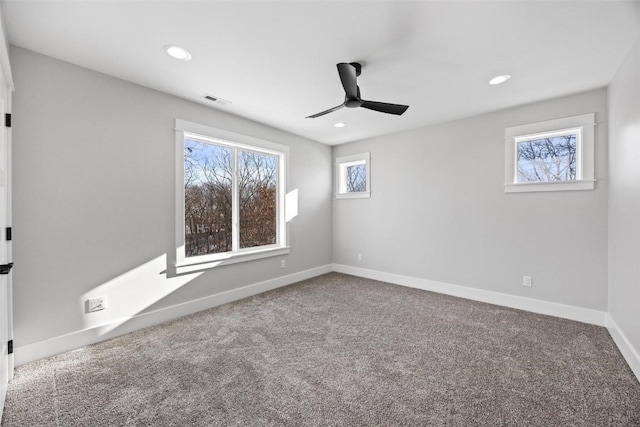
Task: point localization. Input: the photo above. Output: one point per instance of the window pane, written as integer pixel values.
(547, 159)
(207, 198)
(257, 183)
(356, 178)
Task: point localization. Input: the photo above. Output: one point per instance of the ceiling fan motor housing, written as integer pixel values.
(352, 103)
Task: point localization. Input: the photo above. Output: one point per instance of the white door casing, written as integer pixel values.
(6, 359)
(6, 324)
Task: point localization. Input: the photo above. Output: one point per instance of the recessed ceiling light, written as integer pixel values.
(340, 125)
(499, 79)
(178, 52)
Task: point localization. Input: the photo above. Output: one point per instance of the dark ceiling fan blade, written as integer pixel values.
(322, 113)
(383, 107)
(348, 78)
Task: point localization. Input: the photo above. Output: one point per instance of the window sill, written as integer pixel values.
(359, 195)
(190, 266)
(526, 187)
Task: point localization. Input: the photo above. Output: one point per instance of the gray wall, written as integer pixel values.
(93, 199)
(624, 198)
(438, 211)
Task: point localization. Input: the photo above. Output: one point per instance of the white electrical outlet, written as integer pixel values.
(526, 281)
(283, 263)
(359, 257)
(96, 304)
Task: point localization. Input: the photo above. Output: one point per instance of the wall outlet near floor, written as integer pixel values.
(526, 281)
(359, 257)
(283, 263)
(96, 304)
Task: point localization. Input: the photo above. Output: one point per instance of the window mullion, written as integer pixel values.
(235, 208)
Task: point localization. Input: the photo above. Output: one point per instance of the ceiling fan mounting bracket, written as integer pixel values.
(358, 68)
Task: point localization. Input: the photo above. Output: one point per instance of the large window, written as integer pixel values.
(550, 156)
(231, 196)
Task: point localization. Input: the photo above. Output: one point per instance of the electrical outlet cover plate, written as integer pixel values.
(96, 304)
(526, 281)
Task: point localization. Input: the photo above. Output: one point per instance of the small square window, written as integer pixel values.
(352, 176)
(554, 155)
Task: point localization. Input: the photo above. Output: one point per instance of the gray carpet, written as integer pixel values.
(341, 351)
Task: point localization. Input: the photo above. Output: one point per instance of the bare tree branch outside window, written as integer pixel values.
(547, 159)
(356, 178)
(257, 174)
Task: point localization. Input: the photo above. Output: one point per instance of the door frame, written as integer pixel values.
(6, 80)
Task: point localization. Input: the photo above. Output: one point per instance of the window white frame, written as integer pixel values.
(582, 125)
(185, 129)
(341, 165)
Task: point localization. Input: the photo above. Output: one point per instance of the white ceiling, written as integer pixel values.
(276, 60)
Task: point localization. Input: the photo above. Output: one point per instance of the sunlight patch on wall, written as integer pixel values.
(291, 205)
(131, 293)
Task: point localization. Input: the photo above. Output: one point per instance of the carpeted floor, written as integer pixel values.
(337, 350)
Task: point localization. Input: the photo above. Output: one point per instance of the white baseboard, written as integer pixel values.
(3, 395)
(630, 354)
(41, 349)
(527, 304)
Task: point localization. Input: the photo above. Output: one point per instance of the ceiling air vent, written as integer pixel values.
(217, 100)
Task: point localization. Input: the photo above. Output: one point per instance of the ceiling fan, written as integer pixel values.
(348, 76)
